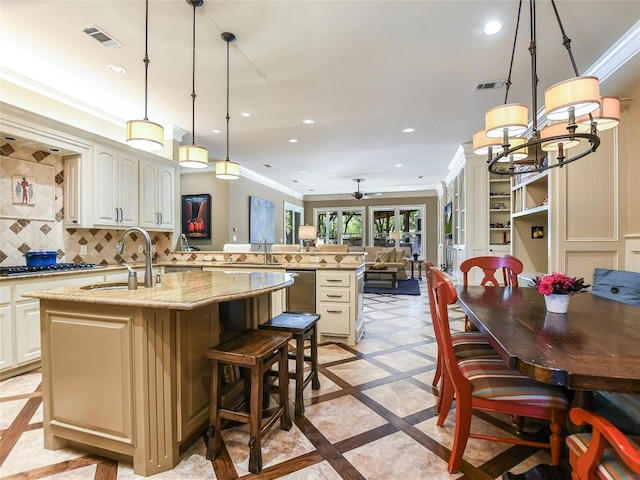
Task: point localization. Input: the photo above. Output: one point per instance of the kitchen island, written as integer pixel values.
(123, 371)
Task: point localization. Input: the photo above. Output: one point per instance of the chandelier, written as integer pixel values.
(574, 111)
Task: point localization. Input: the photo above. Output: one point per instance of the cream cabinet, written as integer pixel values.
(115, 187)
(157, 195)
(20, 349)
(339, 298)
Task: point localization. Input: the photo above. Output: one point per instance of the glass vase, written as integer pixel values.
(557, 303)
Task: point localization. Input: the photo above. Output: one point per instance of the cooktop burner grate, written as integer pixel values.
(58, 267)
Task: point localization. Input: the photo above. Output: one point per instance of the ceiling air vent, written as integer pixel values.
(489, 85)
(106, 40)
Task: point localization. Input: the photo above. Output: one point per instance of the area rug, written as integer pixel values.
(405, 287)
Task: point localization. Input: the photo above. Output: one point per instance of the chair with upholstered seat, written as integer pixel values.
(605, 453)
(510, 266)
(488, 384)
(465, 345)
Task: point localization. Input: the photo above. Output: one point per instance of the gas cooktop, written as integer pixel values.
(58, 267)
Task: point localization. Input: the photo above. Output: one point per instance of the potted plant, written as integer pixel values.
(557, 289)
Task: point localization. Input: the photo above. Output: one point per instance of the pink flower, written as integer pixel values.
(559, 283)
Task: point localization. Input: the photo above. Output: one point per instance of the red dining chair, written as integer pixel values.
(605, 453)
(490, 385)
(465, 345)
(509, 265)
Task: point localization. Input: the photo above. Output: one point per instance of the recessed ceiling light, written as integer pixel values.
(398, 164)
(491, 28)
(246, 114)
(308, 121)
(117, 69)
(215, 130)
(293, 140)
(409, 130)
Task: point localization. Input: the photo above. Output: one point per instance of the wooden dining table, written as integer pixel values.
(593, 347)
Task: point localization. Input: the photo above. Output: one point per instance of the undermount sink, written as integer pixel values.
(106, 286)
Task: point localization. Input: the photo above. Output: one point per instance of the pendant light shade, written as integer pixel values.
(552, 145)
(482, 143)
(193, 156)
(521, 152)
(226, 169)
(580, 93)
(514, 117)
(605, 117)
(143, 134)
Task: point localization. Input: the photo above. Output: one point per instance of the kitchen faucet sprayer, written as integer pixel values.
(148, 276)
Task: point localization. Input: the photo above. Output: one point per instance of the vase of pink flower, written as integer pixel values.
(557, 289)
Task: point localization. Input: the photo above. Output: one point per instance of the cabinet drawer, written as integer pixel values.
(334, 279)
(334, 319)
(5, 294)
(340, 295)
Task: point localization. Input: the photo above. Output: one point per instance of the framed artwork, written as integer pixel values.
(262, 220)
(196, 216)
(448, 220)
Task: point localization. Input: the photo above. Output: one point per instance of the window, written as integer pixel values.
(337, 225)
(293, 215)
(406, 219)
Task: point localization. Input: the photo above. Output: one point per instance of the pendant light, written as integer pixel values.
(193, 156)
(144, 134)
(228, 170)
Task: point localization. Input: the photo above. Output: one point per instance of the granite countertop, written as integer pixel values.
(179, 291)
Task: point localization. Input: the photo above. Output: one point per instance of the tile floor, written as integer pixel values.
(373, 418)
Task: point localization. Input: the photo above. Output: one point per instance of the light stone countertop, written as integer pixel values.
(179, 291)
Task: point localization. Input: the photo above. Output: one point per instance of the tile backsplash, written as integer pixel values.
(40, 225)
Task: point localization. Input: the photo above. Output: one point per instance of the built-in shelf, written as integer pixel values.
(532, 211)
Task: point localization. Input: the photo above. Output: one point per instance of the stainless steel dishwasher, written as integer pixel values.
(301, 296)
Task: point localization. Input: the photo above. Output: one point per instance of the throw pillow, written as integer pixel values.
(381, 257)
(399, 255)
(617, 285)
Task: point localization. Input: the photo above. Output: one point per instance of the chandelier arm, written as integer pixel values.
(566, 41)
(513, 53)
(593, 140)
(146, 56)
(193, 80)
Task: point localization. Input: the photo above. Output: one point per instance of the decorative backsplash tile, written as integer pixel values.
(40, 226)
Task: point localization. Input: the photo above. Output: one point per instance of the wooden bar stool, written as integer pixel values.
(256, 351)
(303, 326)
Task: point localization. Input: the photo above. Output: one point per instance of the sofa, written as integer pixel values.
(391, 257)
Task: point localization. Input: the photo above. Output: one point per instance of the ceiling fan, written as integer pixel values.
(358, 194)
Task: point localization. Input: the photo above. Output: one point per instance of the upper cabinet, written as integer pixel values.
(157, 195)
(115, 187)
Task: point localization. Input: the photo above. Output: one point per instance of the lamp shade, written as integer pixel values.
(306, 232)
(193, 156)
(581, 93)
(145, 135)
(227, 170)
(481, 143)
(552, 131)
(607, 116)
(394, 235)
(512, 116)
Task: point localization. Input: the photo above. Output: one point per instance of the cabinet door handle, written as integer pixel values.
(159, 218)
(333, 280)
(334, 311)
(334, 296)
(121, 214)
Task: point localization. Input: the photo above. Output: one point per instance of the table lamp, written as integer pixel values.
(306, 233)
(394, 236)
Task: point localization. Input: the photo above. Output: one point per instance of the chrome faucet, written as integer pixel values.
(260, 242)
(148, 276)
